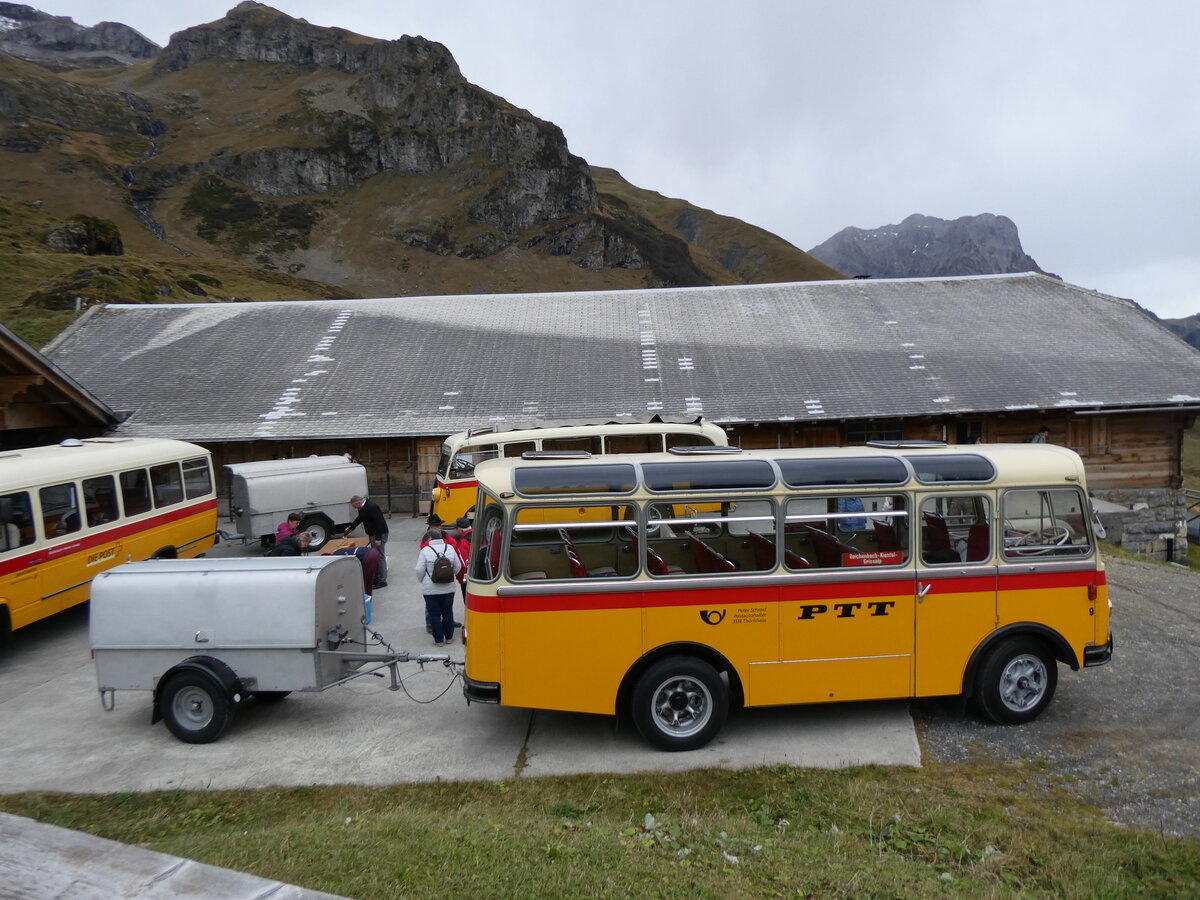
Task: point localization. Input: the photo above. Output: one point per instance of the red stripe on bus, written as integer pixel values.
(96, 538)
(454, 485)
(736, 595)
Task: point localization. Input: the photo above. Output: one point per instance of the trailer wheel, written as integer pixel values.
(195, 707)
(320, 528)
(679, 703)
(1016, 681)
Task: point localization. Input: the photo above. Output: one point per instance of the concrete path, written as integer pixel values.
(56, 737)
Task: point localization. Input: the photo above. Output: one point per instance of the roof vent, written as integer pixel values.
(703, 450)
(907, 445)
(70, 442)
(556, 454)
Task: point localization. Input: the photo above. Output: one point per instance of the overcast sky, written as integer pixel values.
(1077, 119)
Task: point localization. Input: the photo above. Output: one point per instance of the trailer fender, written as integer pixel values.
(210, 666)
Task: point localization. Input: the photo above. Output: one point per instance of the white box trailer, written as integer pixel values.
(318, 487)
(204, 634)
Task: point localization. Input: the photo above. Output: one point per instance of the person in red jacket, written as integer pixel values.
(462, 538)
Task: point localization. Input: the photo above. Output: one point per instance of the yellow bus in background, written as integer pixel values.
(71, 510)
(697, 582)
(454, 491)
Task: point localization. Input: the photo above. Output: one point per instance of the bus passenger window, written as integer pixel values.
(956, 530)
(572, 542)
(135, 492)
(168, 486)
(700, 537)
(100, 500)
(834, 532)
(60, 510)
(197, 479)
(16, 521)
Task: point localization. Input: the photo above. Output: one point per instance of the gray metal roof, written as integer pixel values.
(758, 353)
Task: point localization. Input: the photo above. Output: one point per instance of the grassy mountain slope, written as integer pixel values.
(260, 146)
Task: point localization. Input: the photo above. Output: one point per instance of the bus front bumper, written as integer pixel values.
(1098, 656)
(480, 691)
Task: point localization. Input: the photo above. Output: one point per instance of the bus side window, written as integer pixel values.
(1045, 523)
(100, 500)
(135, 492)
(60, 509)
(168, 486)
(955, 530)
(517, 448)
(197, 478)
(16, 521)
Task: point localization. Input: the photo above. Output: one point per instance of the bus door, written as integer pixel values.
(846, 614)
(956, 586)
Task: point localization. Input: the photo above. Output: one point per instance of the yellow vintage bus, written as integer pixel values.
(454, 491)
(71, 510)
(698, 582)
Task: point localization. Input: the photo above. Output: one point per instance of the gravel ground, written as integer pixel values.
(1125, 736)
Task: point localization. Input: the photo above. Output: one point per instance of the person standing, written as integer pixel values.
(434, 523)
(1042, 436)
(376, 527)
(437, 567)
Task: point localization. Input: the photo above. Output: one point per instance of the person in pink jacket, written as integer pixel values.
(288, 528)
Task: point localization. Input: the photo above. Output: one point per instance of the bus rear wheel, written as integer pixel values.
(194, 707)
(679, 703)
(1017, 681)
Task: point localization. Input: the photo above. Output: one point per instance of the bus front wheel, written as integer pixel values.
(1017, 681)
(679, 703)
(194, 707)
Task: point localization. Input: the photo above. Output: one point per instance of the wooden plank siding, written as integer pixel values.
(1136, 450)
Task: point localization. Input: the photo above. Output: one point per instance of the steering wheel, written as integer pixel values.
(1035, 542)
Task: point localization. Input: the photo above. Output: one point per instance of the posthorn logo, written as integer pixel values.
(711, 616)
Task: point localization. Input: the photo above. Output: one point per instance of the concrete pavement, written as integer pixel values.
(56, 737)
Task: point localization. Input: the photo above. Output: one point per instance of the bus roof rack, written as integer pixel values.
(702, 450)
(556, 454)
(906, 445)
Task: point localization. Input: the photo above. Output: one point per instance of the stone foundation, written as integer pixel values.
(1148, 521)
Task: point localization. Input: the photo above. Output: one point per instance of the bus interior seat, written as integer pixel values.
(978, 542)
(764, 551)
(885, 535)
(579, 570)
(656, 565)
(829, 549)
(795, 560)
(937, 534)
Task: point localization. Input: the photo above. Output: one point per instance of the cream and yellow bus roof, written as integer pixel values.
(1014, 464)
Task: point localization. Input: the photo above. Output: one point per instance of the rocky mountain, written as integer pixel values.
(1187, 328)
(372, 167)
(56, 42)
(928, 247)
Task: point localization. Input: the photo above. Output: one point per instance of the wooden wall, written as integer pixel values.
(1120, 451)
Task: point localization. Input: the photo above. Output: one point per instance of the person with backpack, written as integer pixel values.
(435, 523)
(437, 567)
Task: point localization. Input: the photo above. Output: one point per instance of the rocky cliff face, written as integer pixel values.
(57, 42)
(928, 247)
(368, 164)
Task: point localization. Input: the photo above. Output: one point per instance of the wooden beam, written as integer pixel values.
(12, 386)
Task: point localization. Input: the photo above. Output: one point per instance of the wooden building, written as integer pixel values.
(805, 364)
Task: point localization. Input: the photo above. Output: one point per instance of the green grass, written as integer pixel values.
(778, 832)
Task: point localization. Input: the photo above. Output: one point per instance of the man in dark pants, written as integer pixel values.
(370, 516)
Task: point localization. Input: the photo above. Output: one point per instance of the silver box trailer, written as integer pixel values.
(205, 633)
(318, 487)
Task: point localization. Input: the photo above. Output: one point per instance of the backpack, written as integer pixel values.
(443, 569)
